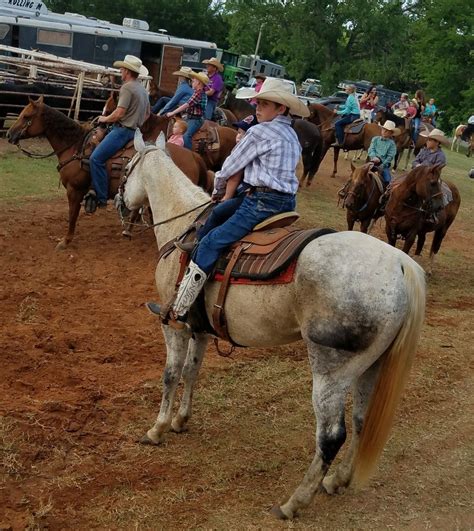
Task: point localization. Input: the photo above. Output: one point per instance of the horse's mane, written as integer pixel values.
(389, 115)
(64, 127)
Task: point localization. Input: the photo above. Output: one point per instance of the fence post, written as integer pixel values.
(80, 84)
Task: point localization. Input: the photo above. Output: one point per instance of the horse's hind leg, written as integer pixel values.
(74, 198)
(329, 397)
(361, 393)
(196, 351)
(177, 346)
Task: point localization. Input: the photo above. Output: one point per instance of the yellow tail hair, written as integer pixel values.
(392, 378)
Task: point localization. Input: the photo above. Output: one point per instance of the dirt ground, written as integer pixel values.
(80, 365)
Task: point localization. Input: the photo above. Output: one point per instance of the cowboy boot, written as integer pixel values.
(186, 247)
(188, 291)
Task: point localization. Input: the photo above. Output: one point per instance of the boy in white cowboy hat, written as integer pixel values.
(432, 153)
(132, 110)
(182, 94)
(382, 149)
(268, 155)
(215, 86)
(194, 107)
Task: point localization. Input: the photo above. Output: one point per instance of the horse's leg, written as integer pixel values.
(127, 231)
(420, 242)
(74, 198)
(391, 234)
(336, 156)
(329, 397)
(435, 246)
(350, 221)
(364, 225)
(409, 241)
(176, 347)
(361, 393)
(196, 351)
(408, 157)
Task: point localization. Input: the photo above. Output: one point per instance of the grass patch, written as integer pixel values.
(24, 178)
(10, 464)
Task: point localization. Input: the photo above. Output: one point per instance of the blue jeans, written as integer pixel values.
(339, 125)
(416, 128)
(220, 213)
(387, 176)
(115, 140)
(194, 124)
(254, 209)
(210, 108)
(160, 104)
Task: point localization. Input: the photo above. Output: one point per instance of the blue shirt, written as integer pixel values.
(384, 149)
(269, 152)
(351, 106)
(182, 95)
(426, 157)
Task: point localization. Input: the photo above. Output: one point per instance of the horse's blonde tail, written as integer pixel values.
(392, 377)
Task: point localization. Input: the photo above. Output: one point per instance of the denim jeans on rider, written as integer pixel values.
(416, 128)
(339, 125)
(193, 125)
(160, 104)
(220, 213)
(254, 209)
(386, 175)
(210, 108)
(115, 140)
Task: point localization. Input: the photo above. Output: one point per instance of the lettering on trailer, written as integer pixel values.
(27, 4)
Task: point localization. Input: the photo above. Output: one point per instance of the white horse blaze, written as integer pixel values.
(357, 302)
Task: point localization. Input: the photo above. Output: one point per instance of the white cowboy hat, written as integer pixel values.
(437, 135)
(184, 71)
(214, 62)
(200, 76)
(130, 63)
(390, 126)
(278, 91)
(143, 71)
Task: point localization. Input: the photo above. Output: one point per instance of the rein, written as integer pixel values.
(366, 204)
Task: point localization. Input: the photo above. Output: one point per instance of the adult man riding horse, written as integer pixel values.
(132, 110)
(214, 87)
(268, 154)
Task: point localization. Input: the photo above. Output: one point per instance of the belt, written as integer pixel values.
(267, 190)
(117, 124)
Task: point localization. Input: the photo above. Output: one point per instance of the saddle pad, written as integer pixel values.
(266, 257)
(355, 127)
(447, 193)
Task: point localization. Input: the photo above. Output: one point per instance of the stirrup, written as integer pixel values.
(185, 247)
(164, 314)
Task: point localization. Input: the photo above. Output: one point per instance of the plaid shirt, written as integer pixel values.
(196, 105)
(269, 152)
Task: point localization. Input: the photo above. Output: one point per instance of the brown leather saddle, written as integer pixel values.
(264, 256)
(115, 166)
(205, 140)
(355, 127)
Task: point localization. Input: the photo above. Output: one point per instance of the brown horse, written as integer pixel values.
(67, 138)
(415, 207)
(157, 92)
(363, 195)
(324, 118)
(239, 108)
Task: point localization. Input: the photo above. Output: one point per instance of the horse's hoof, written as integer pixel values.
(61, 246)
(127, 234)
(147, 441)
(278, 513)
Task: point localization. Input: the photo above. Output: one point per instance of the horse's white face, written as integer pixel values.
(134, 194)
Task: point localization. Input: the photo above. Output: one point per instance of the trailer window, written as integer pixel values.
(55, 38)
(4, 29)
(191, 55)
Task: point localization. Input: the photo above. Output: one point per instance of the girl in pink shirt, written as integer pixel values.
(179, 128)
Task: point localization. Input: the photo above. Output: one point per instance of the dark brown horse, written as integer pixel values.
(362, 199)
(415, 207)
(324, 118)
(66, 138)
(157, 92)
(403, 140)
(239, 108)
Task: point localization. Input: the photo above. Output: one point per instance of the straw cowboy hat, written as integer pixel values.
(390, 126)
(184, 71)
(214, 62)
(278, 91)
(200, 76)
(130, 63)
(437, 135)
(143, 71)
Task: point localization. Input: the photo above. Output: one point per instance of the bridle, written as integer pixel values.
(366, 204)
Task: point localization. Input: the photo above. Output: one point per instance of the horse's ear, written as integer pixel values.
(31, 100)
(39, 101)
(352, 167)
(138, 142)
(161, 141)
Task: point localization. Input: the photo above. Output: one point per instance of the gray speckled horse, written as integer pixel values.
(356, 302)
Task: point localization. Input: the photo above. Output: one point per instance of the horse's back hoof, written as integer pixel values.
(278, 513)
(147, 441)
(61, 246)
(127, 234)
